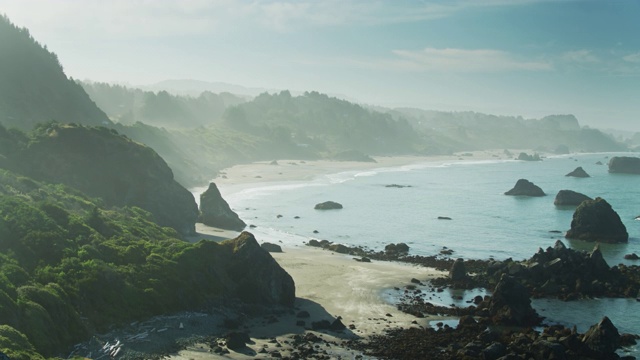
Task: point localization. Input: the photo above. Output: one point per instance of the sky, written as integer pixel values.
(527, 58)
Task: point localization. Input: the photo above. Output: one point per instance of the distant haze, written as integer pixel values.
(508, 57)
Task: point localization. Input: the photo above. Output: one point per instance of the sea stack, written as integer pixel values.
(624, 164)
(578, 172)
(595, 220)
(569, 198)
(525, 187)
(215, 211)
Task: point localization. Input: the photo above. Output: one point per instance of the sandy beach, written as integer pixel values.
(301, 170)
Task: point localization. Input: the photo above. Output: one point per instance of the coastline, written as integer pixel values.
(262, 172)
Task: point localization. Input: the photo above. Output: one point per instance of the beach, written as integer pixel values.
(328, 285)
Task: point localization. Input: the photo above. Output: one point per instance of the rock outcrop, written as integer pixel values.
(526, 157)
(524, 187)
(458, 271)
(595, 220)
(215, 211)
(569, 198)
(510, 304)
(624, 164)
(328, 205)
(602, 338)
(255, 277)
(578, 172)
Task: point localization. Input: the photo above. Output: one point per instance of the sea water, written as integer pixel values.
(484, 223)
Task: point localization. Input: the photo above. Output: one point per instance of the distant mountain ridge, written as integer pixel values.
(34, 87)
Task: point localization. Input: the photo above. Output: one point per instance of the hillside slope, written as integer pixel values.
(34, 87)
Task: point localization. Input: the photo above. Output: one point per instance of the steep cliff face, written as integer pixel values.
(103, 164)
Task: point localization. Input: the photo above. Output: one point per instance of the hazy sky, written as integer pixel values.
(511, 57)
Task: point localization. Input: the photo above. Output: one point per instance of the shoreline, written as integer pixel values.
(329, 286)
(284, 170)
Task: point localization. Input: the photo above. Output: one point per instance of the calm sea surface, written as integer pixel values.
(485, 223)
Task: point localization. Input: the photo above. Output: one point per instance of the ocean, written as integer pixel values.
(484, 223)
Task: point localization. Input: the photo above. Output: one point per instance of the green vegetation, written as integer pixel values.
(128, 106)
(33, 86)
(69, 267)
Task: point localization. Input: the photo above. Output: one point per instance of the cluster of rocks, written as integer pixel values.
(567, 274)
(473, 339)
(526, 157)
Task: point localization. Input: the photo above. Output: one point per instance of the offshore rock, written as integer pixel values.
(624, 164)
(595, 220)
(255, 276)
(578, 172)
(510, 304)
(524, 187)
(328, 205)
(569, 198)
(215, 211)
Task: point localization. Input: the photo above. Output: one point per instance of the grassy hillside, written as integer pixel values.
(34, 87)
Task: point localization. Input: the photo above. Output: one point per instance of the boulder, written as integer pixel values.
(510, 304)
(595, 220)
(526, 157)
(328, 205)
(253, 275)
(339, 248)
(272, 248)
(458, 271)
(602, 338)
(624, 164)
(524, 187)
(237, 340)
(396, 249)
(569, 198)
(632, 256)
(578, 172)
(214, 211)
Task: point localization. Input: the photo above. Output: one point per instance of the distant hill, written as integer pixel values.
(34, 87)
(190, 87)
(475, 131)
(128, 106)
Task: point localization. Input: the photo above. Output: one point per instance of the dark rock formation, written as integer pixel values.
(339, 248)
(578, 172)
(328, 205)
(632, 256)
(624, 164)
(602, 338)
(458, 271)
(595, 220)
(397, 186)
(270, 247)
(254, 276)
(237, 340)
(510, 304)
(214, 211)
(569, 198)
(399, 248)
(524, 187)
(526, 157)
(444, 218)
